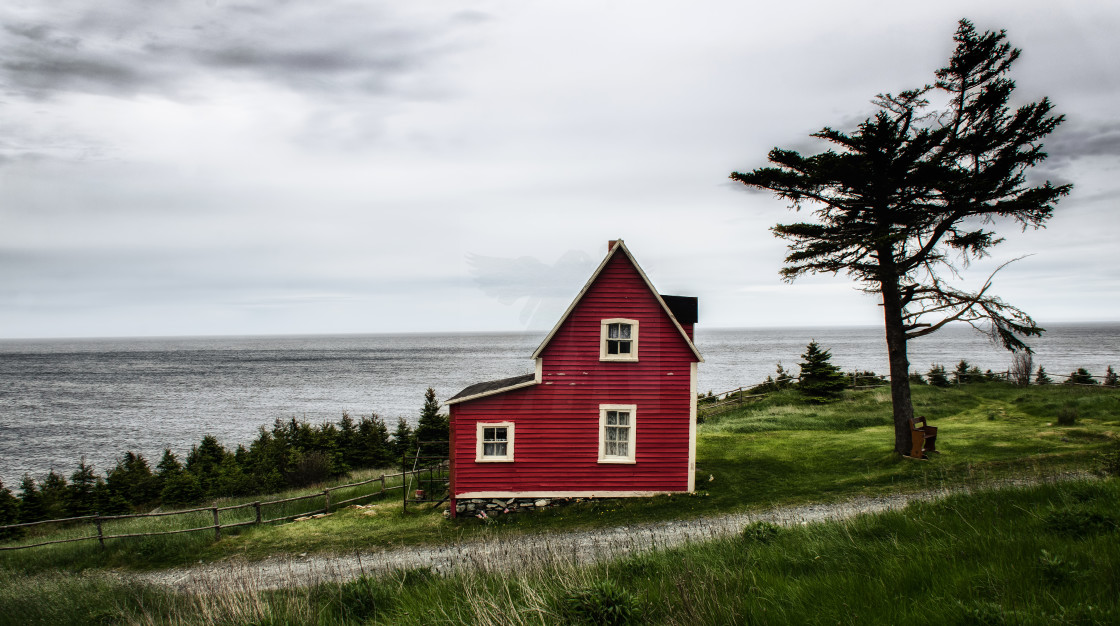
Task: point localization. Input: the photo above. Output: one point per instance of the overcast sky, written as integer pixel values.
(259, 167)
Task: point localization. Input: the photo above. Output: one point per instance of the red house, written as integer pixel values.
(609, 412)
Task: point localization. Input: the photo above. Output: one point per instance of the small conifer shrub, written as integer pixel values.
(936, 376)
(821, 381)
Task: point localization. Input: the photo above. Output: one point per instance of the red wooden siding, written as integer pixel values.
(557, 422)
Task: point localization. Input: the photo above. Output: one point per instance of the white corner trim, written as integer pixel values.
(692, 428)
(604, 326)
(633, 441)
(478, 456)
(539, 370)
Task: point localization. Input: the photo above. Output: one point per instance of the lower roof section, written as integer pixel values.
(492, 387)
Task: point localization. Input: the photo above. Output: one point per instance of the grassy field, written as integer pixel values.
(1046, 554)
(777, 451)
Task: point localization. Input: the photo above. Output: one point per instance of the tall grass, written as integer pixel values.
(1041, 555)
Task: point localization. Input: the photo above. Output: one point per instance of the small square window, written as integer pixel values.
(494, 442)
(619, 340)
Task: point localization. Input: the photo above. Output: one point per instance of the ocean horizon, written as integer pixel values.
(62, 399)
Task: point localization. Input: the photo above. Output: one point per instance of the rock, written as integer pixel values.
(491, 506)
(542, 502)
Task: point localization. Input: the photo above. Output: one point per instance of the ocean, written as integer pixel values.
(64, 399)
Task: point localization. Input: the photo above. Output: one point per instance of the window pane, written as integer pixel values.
(612, 449)
(612, 347)
(624, 347)
(488, 434)
(623, 447)
(613, 331)
(500, 449)
(488, 449)
(623, 418)
(612, 417)
(500, 434)
(623, 331)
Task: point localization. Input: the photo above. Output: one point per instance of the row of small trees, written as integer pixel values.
(821, 381)
(292, 453)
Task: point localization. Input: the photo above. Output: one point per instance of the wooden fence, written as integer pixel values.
(98, 520)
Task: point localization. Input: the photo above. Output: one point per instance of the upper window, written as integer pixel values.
(619, 340)
(617, 433)
(494, 442)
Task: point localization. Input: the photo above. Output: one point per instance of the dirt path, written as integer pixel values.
(514, 552)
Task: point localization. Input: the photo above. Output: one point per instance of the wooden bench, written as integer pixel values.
(923, 438)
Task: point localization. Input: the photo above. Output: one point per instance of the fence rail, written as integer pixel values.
(217, 526)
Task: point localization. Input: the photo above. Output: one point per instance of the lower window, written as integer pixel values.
(494, 442)
(617, 433)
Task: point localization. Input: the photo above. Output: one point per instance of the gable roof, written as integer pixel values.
(619, 248)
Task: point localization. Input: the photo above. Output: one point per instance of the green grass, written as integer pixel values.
(779, 451)
(1046, 554)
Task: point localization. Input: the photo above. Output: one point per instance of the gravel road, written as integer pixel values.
(511, 552)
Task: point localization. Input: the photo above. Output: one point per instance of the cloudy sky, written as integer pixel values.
(258, 167)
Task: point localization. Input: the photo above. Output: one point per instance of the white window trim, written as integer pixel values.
(604, 325)
(478, 456)
(631, 458)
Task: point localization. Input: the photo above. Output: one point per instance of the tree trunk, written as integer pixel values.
(903, 408)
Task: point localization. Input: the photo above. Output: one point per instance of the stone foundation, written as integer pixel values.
(476, 507)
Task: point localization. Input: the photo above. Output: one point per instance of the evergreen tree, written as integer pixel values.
(56, 494)
(180, 489)
(1110, 377)
(348, 440)
(403, 441)
(908, 198)
(81, 496)
(132, 481)
(9, 512)
(1041, 378)
(966, 373)
(203, 461)
(374, 449)
(31, 505)
(432, 429)
(1080, 377)
(936, 376)
(821, 381)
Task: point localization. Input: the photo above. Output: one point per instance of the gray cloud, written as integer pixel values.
(1076, 140)
(142, 49)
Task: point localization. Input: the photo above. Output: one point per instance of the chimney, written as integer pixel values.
(610, 244)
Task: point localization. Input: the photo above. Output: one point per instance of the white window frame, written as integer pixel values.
(604, 326)
(631, 456)
(479, 457)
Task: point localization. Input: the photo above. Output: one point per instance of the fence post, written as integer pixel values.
(257, 506)
(382, 483)
(100, 536)
(217, 526)
(327, 495)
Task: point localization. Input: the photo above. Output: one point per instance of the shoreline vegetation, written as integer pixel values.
(1036, 554)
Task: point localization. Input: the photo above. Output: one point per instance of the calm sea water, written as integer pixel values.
(64, 399)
